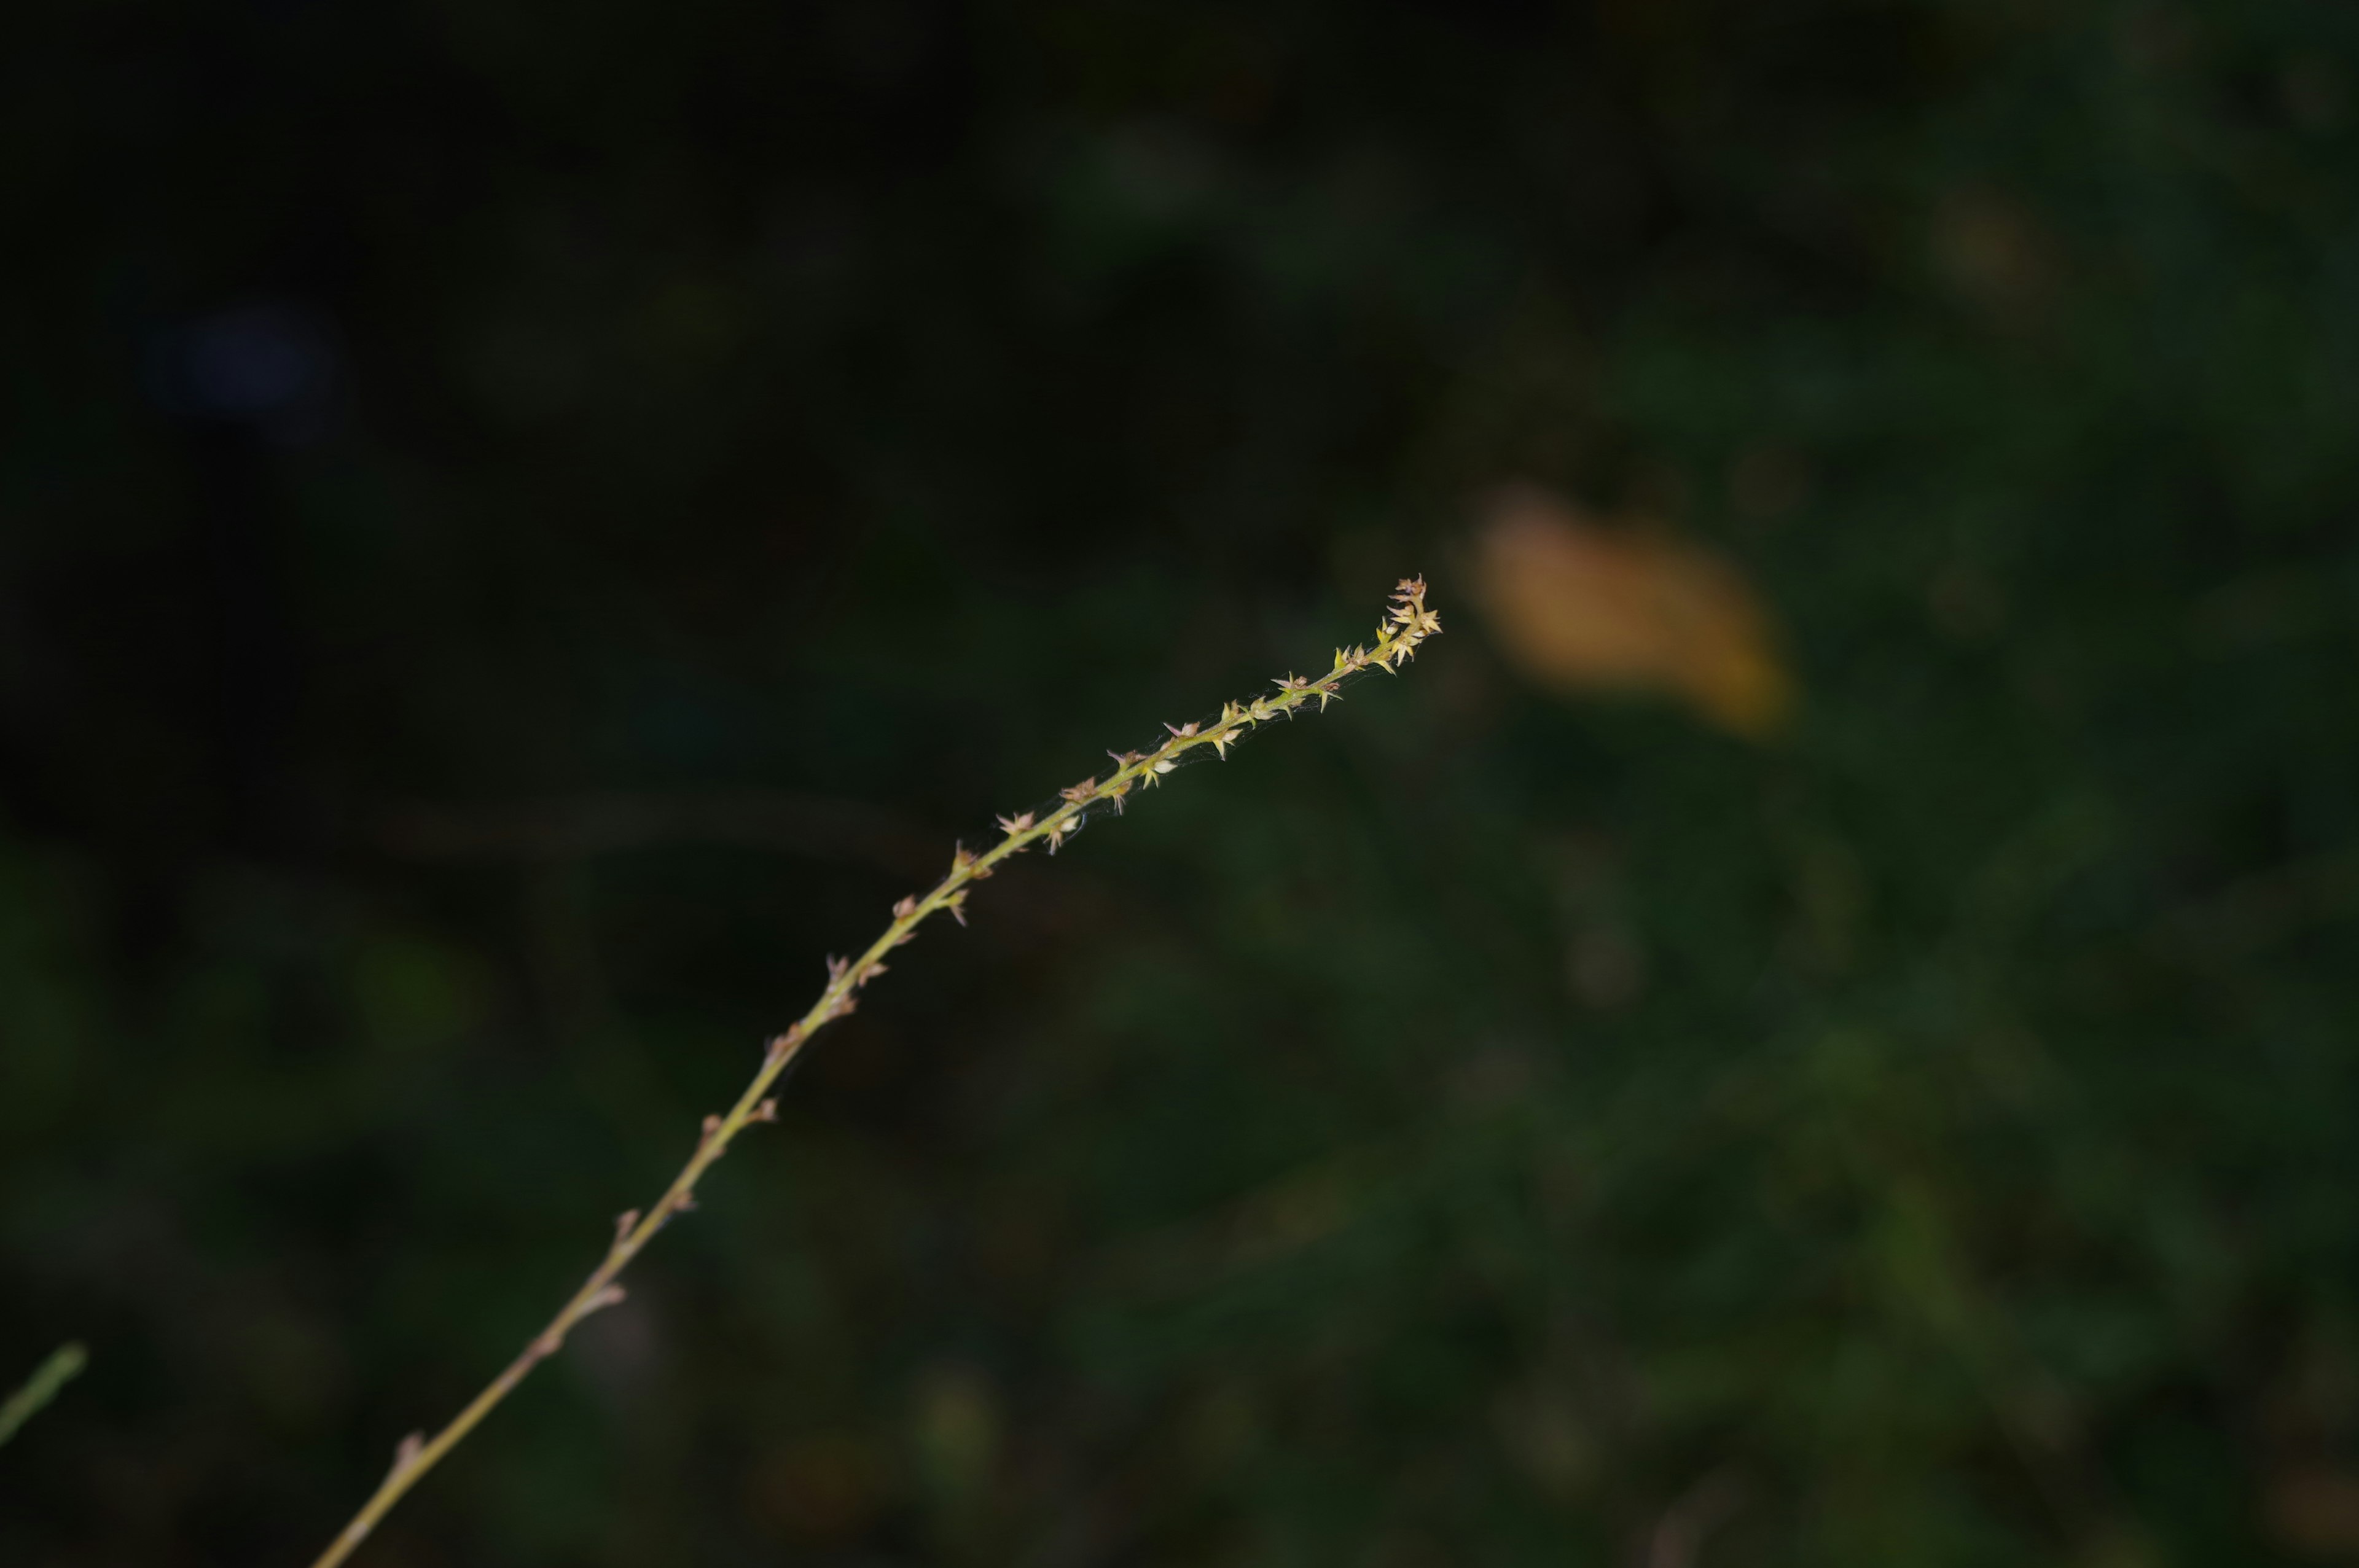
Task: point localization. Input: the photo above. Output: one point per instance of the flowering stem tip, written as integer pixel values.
(1407, 623)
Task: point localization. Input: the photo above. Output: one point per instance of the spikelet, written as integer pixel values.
(1407, 625)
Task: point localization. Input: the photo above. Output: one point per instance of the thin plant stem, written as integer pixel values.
(1407, 623)
(62, 1367)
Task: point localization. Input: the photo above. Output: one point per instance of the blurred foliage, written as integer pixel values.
(525, 528)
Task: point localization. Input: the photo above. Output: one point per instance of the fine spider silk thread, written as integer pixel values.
(1407, 623)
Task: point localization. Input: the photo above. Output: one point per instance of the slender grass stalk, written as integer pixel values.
(1407, 623)
(63, 1366)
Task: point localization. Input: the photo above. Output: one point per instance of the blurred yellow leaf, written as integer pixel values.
(1585, 605)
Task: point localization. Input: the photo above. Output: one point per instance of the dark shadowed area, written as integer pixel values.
(1817, 1026)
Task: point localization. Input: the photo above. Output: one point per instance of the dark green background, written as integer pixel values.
(524, 526)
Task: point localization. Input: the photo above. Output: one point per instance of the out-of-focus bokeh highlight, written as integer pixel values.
(1582, 605)
(1816, 1026)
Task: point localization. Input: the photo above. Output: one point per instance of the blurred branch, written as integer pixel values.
(587, 825)
(64, 1365)
(1679, 1536)
(2261, 911)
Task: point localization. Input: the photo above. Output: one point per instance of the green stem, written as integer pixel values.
(1408, 623)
